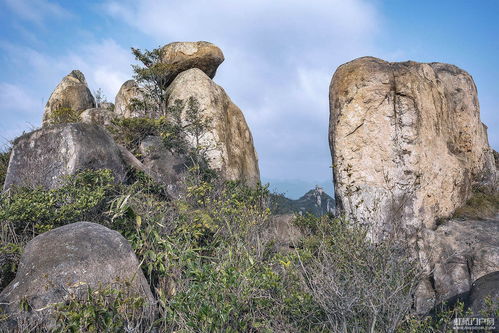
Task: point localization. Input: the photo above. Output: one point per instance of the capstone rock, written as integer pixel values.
(46, 156)
(228, 142)
(181, 56)
(71, 93)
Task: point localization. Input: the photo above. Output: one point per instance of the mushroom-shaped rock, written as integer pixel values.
(181, 56)
(401, 135)
(71, 93)
(227, 140)
(45, 156)
(162, 165)
(67, 261)
(132, 102)
(98, 116)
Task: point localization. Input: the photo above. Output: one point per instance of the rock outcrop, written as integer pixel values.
(486, 287)
(46, 156)
(71, 93)
(228, 141)
(407, 142)
(162, 165)
(98, 116)
(67, 261)
(458, 253)
(132, 102)
(181, 56)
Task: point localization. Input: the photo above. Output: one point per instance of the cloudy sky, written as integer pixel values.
(280, 56)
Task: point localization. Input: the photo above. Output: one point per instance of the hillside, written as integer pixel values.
(315, 201)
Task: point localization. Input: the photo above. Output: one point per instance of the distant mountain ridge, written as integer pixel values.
(315, 201)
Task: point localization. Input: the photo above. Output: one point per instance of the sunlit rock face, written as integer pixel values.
(45, 157)
(132, 101)
(71, 93)
(181, 56)
(66, 262)
(227, 141)
(407, 143)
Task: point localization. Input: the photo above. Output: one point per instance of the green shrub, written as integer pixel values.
(213, 265)
(104, 310)
(481, 205)
(361, 286)
(25, 213)
(4, 164)
(38, 210)
(64, 115)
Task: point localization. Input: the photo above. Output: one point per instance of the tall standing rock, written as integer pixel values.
(228, 141)
(407, 143)
(45, 156)
(181, 56)
(71, 93)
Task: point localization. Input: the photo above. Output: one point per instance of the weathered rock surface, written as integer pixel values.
(485, 287)
(72, 92)
(66, 261)
(98, 116)
(45, 156)
(132, 102)
(407, 143)
(228, 141)
(182, 56)
(162, 165)
(106, 105)
(458, 253)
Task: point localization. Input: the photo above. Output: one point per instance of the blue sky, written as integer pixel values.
(280, 56)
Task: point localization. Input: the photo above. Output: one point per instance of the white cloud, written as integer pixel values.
(37, 11)
(280, 56)
(13, 98)
(106, 65)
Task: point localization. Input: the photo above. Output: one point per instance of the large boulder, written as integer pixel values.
(46, 156)
(181, 56)
(99, 116)
(458, 253)
(71, 93)
(165, 167)
(133, 102)
(228, 141)
(65, 262)
(407, 143)
(483, 290)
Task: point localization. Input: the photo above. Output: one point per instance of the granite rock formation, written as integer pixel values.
(132, 102)
(71, 93)
(67, 261)
(99, 116)
(181, 56)
(228, 141)
(46, 156)
(407, 142)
